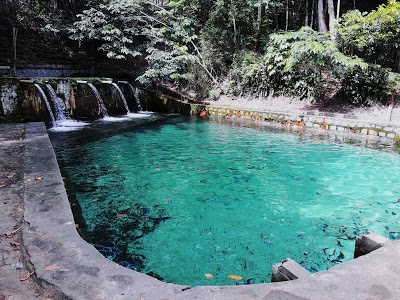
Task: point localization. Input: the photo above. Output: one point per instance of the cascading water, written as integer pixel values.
(99, 99)
(121, 94)
(136, 95)
(61, 114)
(46, 101)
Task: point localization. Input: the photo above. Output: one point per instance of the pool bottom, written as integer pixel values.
(225, 230)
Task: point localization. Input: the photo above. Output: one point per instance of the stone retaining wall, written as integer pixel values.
(325, 121)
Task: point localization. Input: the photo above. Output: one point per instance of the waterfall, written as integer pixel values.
(122, 97)
(44, 97)
(136, 95)
(99, 99)
(61, 114)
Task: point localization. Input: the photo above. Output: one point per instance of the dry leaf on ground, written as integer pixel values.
(52, 267)
(9, 234)
(26, 277)
(15, 244)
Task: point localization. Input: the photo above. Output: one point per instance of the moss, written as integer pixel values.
(397, 140)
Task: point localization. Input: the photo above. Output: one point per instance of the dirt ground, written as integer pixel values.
(17, 277)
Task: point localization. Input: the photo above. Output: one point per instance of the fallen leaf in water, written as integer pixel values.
(15, 244)
(52, 267)
(235, 277)
(2, 185)
(169, 199)
(114, 166)
(209, 275)
(121, 215)
(11, 175)
(26, 277)
(157, 169)
(39, 177)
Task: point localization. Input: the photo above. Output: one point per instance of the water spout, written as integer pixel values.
(61, 114)
(136, 94)
(121, 94)
(46, 101)
(99, 99)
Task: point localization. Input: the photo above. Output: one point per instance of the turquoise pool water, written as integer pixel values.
(179, 198)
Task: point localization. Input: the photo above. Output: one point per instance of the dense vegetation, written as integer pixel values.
(314, 49)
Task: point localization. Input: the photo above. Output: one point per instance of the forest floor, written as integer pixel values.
(378, 113)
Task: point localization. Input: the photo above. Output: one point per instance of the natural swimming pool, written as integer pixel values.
(178, 198)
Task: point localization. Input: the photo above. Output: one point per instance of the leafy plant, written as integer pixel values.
(303, 64)
(374, 36)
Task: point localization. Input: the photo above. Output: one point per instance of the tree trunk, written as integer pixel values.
(276, 18)
(14, 49)
(321, 18)
(235, 34)
(287, 15)
(312, 14)
(338, 10)
(331, 13)
(259, 15)
(306, 18)
(398, 59)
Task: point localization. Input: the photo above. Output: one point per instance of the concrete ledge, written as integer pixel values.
(288, 270)
(64, 261)
(331, 122)
(368, 242)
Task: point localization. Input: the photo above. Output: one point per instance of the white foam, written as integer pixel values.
(138, 115)
(114, 119)
(71, 123)
(64, 129)
(68, 125)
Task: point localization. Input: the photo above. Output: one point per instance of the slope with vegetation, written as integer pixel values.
(314, 49)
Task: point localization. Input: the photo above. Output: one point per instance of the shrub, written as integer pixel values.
(301, 64)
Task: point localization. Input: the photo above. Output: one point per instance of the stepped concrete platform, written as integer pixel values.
(70, 268)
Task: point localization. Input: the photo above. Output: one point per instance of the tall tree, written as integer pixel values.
(332, 18)
(321, 17)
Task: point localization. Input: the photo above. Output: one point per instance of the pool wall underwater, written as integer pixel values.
(63, 260)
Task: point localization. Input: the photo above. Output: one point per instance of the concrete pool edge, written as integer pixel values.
(62, 259)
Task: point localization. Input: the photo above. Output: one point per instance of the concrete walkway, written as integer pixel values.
(64, 266)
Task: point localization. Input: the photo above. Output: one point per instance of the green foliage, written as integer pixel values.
(116, 24)
(127, 29)
(302, 64)
(374, 36)
(214, 94)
